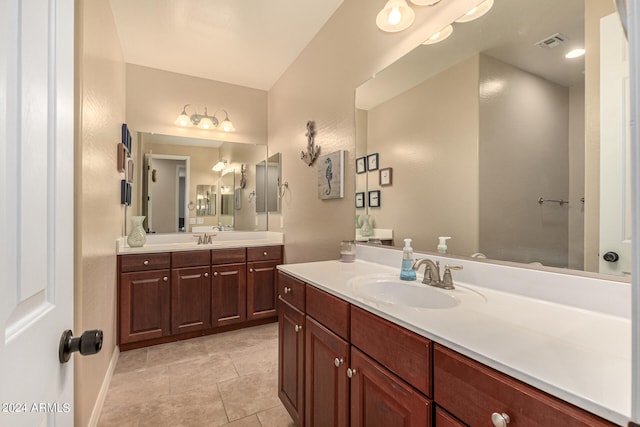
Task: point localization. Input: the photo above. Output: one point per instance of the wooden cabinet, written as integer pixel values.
(229, 290)
(445, 419)
(291, 360)
(144, 306)
(326, 382)
(261, 281)
(379, 398)
(190, 299)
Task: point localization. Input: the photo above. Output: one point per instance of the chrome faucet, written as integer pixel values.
(205, 238)
(432, 273)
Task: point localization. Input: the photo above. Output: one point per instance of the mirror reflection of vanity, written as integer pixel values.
(494, 141)
(176, 189)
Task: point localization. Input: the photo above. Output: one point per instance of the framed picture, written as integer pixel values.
(361, 165)
(374, 199)
(126, 138)
(386, 176)
(331, 176)
(130, 170)
(372, 162)
(360, 200)
(122, 157)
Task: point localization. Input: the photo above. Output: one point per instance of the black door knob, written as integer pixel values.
(611, 257)
(90, 342)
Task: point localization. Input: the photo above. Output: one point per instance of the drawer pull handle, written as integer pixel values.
(298, 328)
(165, 278)
(338, 362)
(146, 262)
(351, 372)
(500, 420)
(206, 274)
(215, 273)
(287, 290)
(251, 270)
(264, 253)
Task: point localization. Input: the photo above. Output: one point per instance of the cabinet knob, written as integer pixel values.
(287, 290)
(351, 372)
(215, 273)
(206, 274)
(165, 278)
(298, 328)
(500, 420)
(264, 253)
(146, 262)
(251, 270)
(338, 362)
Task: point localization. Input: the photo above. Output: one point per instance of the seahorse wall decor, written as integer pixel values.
(313, 151)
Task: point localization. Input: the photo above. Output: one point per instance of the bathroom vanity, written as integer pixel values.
(173, 291)
(350, 355)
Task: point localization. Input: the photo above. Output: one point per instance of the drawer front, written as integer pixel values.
(228, 256)
(473, 392)
(190, 259)
(143, 262)
(445, 419)
(264, 253)
(291, 290)
(332, 312)
(405, 353)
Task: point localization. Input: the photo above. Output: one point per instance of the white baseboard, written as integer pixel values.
(97, 408)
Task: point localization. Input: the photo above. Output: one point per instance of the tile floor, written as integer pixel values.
(227, 379)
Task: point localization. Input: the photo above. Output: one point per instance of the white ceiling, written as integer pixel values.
(244, 42)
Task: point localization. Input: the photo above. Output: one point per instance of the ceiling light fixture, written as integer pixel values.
(204, 121)
(219, 166)
(440, 35)
(476, 12)
(396, 16)
(575, 53)
(425, 2)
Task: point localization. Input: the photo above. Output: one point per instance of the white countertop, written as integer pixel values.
(579, 355)
(176, 242)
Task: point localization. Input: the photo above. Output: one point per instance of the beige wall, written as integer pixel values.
(520, 161)
(100, 111)
(320, 86)
(429, 136)
(156, 97)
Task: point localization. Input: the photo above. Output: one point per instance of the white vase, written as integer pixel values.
(137, 237)
(366, 229)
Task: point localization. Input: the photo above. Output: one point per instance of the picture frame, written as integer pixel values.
(122, 157)
(374, 199)
(372, 162)
(331, 175)
(361, 164)
(386, 177)
(126, 138)
(360, 202)
(130, 170)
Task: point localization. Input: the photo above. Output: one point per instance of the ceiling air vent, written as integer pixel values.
(552, 41)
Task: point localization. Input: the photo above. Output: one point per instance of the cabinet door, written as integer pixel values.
(190, 299)
(145, 305)
(261, 289)
(228, 294)
(445, 419)
(326, 382)
(291, 361)
(380, 399)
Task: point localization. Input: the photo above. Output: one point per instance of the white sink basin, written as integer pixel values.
(391, 290)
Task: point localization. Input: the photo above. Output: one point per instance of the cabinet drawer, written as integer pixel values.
(142, 262)
(263, 253)
(332, 312)
(228, 256)
(473, 392)
(291, 290)
(445, 419)
(190, 259)
(405, 353)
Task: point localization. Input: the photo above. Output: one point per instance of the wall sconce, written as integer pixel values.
(219, 166)
(395, 16)
(204, 121)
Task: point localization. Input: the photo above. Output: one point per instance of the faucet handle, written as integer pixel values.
(447, 279)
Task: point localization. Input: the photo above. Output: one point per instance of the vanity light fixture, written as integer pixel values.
(219, 166)
(396, 16)
(575, 53)
(476, 12)
(440, 35)
(204, 121)
(425, 2)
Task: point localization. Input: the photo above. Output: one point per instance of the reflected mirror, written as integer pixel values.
(187, 164)
(499, 141)
(268, 184)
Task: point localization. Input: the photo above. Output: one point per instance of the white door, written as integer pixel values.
(615, 171)
(36, 210)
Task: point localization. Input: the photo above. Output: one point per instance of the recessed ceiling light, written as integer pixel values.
(476, 12)
(440, 35)
(575, 53)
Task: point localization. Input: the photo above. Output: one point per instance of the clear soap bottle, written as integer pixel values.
(407, 272)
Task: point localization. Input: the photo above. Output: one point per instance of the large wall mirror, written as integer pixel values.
(499, 141)
(177, 190)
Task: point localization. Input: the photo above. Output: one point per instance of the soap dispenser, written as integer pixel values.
(407, 272)
(442, 245)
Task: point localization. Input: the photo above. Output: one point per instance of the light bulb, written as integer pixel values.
(394, 16)
(182, 120)
(205, 123)
(227, 126)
